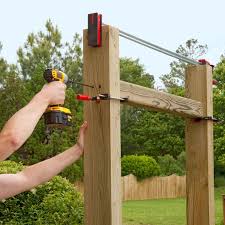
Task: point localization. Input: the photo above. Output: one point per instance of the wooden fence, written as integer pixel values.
(152, 188)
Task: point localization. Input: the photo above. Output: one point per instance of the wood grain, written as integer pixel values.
(153, 188)
(199, 148)
(102, 169)
(160, 101)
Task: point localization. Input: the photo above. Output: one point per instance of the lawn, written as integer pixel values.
(164, 211)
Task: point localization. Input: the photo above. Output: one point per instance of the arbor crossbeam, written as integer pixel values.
(160, 101)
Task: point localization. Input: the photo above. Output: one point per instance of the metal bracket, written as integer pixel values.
(99, 97)
(207, 118)
(108, 97)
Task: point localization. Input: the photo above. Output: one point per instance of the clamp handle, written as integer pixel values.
(84, 97)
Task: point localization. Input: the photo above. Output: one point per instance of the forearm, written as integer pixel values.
(42, 172)
(32, 176)
(21, 125)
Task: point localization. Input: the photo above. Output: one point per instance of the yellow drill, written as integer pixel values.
(56, 115)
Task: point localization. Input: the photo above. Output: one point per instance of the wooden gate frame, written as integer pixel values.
(102, 166)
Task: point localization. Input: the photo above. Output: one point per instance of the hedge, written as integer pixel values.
(141, 166)
(55, 202)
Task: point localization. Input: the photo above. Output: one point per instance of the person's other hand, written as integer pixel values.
(54, 92)
(80, 141)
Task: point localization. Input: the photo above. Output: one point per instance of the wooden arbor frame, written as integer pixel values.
(102, 169)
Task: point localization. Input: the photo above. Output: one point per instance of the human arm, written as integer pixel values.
(31, 176)
(21, 125)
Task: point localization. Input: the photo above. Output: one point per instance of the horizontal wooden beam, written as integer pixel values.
(160, 101)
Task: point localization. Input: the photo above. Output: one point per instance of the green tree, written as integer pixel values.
(3, 67)
(46, 49)
(11, 99)
(175, 78)
(143, 131)
(169, 165)
(219, 106)
(132, 71)
(18, 84)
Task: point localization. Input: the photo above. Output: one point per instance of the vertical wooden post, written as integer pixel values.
(102, 170)
(199, 148)
(223, 202)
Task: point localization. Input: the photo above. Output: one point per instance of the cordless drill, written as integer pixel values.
(56, 116)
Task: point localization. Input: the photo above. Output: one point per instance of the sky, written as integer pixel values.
(162, 22)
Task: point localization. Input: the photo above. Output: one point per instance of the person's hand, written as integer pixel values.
(54, 92)
(80, 141)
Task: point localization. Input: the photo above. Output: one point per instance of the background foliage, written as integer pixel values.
(141, 166)
(55, 202)
(143, 132)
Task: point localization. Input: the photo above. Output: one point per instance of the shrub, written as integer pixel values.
(169, 165)
(220, 166)
(219, 181)
(221, 160)
(55, 202)
(140, 166)
(181, 161)
(74, 172)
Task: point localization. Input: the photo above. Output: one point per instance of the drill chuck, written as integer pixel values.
(55, 75)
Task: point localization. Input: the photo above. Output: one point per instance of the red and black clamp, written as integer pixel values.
(88, 98)
(84, 97)
(205, 62)
(94, 30)
(99, 97)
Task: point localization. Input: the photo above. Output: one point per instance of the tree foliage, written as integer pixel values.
(219, 128)
(19, 83)
(169, 165)
(175, 78)
(142, 131)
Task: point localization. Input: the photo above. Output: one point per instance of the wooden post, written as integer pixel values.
(223, 202)
(102, 170)
(199, 148)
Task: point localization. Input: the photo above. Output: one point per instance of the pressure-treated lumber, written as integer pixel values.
(102, 170)
(160, 101)
(199, 148)
(172, 186)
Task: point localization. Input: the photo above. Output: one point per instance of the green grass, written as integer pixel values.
(164, 211)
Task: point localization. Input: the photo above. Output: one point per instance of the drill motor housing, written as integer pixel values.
(56, 116)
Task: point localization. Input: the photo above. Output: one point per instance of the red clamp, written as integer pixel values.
(205, 62)
(88, 98)
(84, 98)
(94, 30)
(99, 97)
(214, 82)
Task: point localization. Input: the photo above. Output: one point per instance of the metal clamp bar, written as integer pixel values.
(207, 118)
(157, 48)
(108, 97)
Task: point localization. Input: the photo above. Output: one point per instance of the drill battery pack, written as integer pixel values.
(57, 117)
